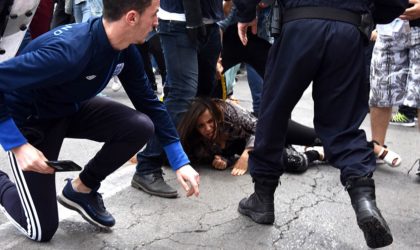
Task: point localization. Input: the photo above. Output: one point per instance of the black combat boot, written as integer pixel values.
(260, 205)
(369, 218)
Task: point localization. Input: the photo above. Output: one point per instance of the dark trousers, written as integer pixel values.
(331, 54)
(298, 134)
(254, 54)
(123, 130)
(60, 17)
(153, 47)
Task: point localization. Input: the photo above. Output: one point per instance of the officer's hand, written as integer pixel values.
(374, 35)
(219, 69)
(243, 28)
(31, 159)
(413, 12)
(189, 179)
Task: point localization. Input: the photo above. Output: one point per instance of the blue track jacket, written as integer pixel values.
(69, 65)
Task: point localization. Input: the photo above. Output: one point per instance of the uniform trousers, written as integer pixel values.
(331, 55)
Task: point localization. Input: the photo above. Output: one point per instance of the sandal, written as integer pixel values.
(388, 156)
(320, 151)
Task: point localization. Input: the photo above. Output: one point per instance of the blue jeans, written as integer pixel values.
(96, 7)
(191, 70)
(85, 10)
(81, 12)
(255, 82)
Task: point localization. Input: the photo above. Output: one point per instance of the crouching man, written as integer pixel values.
(49, 93)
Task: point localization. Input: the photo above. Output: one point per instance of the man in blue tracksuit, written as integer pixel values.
(320, 41)
(49, 93)
(191, 45)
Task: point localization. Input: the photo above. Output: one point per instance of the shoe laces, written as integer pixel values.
(99, 200)
(411, 168)
(399, 117)
(158, 176)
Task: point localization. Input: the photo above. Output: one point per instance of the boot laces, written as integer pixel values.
(158, 176)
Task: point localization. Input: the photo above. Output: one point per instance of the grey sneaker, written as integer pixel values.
(153, 184)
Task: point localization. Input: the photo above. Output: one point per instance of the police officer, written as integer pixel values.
(320, 42)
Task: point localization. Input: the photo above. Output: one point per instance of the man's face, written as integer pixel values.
(148, 20)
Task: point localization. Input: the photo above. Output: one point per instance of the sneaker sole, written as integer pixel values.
(260, 218)
(76, 207)
(413, 124)
(144, 189)
(376, 234)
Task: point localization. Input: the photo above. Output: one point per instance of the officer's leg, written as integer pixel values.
(341, 97)
(207, 60)
(289, 72)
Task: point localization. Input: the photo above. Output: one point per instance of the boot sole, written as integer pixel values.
(76, 207)
(376, 234)
(260, 218)
(144, 189)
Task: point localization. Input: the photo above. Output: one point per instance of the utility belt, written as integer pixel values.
(364, 22)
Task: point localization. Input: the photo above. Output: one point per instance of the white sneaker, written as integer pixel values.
(116, 84)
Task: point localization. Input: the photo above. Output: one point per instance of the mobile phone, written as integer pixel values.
(64, 166)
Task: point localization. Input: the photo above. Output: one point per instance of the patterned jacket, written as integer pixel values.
(240, 125)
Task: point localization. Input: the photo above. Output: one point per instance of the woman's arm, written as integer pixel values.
(241, 165)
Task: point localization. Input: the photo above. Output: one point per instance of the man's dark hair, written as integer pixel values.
(115, 9)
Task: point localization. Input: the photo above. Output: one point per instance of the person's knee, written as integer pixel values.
(47, 231)
(142, 128)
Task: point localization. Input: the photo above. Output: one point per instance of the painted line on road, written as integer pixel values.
(115, 183)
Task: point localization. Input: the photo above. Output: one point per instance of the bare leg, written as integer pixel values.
(379, 120)
(379, 125)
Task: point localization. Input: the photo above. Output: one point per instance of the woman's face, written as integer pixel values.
(205, 125)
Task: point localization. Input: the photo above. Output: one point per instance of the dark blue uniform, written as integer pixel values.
(329, 54)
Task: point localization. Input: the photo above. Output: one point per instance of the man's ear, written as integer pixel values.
(132, 17)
